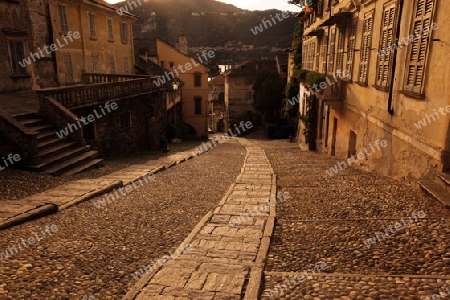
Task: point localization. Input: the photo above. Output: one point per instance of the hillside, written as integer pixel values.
(208, 23)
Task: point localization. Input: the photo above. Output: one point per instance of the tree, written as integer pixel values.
(269, 91)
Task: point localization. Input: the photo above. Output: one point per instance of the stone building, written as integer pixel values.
(239, 91)
(395, 58)
(87, 51)
(216, 100)
(192, 71)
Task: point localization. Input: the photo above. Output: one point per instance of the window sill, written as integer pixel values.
(381, 88)
(412, 94)
(93, 38)
(347, 80)
(361, 83)
(109, 40)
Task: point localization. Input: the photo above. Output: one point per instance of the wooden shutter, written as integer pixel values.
(351, 47)
(340, 55)
(418, 50)
(385, 55)
(332, 50)
(365, 48)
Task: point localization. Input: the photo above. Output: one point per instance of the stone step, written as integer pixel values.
(445, 178)
(41, 128)
(436, 191)
(56, 148)
(33, 122)
(43, 135)
(66, 164)
(82, 167)
(55, 158)
(45, 144)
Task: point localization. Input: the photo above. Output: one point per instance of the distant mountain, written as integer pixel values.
(207, 23)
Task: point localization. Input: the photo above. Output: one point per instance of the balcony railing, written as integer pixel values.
(89, 78)
(90, 94)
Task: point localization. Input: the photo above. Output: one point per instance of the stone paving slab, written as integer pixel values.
(15, 212)
(224, 260)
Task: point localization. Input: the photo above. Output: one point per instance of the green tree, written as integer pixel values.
(269, 91)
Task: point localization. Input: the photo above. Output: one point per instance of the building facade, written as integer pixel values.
(194, 75)
(387, 81)
(91, 37)
(216, 101)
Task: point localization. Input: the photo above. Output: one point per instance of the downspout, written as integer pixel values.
(394, 60)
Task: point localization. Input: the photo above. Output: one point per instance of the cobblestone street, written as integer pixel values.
(329, 219)
(354, 235)
(96, 251)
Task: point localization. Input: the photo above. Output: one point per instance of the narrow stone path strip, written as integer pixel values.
(227, 247)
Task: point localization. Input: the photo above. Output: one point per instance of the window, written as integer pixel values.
(124, 120)
(340, 50)
(124, 32)
(112, 64)
(92, 25)
(95, 64)
(197, 79)
(332, 51)
(365, 48)
(385, 56)
(69, 69)
(126, 66)
(198, 105)
(110, 30)
(351, 47)
(63, 19)
(16, 52)
(171, 64)
(418, 49)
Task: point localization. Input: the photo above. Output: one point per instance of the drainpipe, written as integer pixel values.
(394, 60)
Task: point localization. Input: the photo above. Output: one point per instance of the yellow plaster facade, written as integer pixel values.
(389, 91)
(91, 37)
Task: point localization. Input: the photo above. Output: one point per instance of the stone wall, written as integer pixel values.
(144, 133)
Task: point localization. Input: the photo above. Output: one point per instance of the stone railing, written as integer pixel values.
(78, 96)
(90, 78)
(24, 139)
(60, 116)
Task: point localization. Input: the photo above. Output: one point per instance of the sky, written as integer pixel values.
(254, 4)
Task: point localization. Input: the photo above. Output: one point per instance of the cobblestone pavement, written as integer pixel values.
(228, 246)
(348, 221)
(95, 251)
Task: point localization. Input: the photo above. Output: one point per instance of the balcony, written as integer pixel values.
(334, 93)
(100, 88)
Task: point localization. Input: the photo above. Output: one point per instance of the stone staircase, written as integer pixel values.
(57, 156)
(438, 188)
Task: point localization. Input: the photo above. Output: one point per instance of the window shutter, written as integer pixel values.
(385, 57)
(332, 50)
(340, 56)
(365, 48)
(351, 47)
(418, 50)
(325, 54)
